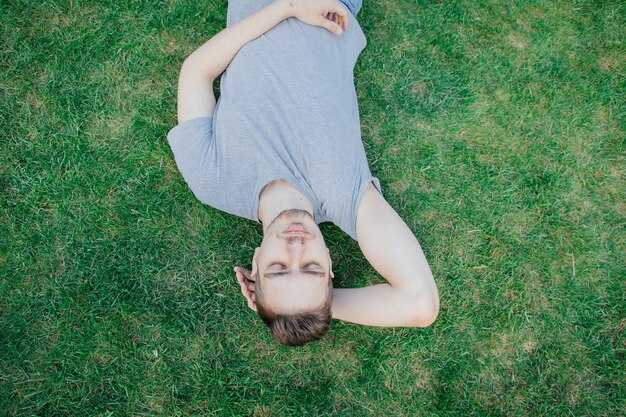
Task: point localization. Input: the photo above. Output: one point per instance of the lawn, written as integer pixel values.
(497, 129)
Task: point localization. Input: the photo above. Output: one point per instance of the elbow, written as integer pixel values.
(194, 66)
(424, 311)
(189, 65)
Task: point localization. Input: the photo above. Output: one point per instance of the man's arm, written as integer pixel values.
(410, 298)
(205, 64)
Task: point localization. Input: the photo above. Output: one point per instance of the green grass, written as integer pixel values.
(497, 129)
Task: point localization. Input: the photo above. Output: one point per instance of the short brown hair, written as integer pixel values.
(300, 328)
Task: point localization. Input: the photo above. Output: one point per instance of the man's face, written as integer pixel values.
(293, 264)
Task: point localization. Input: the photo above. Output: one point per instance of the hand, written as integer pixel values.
(329, 14)
(247, 284)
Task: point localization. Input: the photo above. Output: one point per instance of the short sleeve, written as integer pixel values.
(193, 145)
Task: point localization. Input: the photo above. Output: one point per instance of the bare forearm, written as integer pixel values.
(381, 305)
(215, 55)
(205, 64)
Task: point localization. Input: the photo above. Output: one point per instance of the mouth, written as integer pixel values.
(298, 228)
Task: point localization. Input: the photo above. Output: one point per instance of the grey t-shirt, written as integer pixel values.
(287, 109)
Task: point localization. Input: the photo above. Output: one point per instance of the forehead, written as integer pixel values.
(295, 291)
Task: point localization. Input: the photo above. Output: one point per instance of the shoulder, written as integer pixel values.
(373, 206)
(371, 195)
(369, 189)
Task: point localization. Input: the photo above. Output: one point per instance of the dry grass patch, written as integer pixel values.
(407, 375)
(612, 62)
(262, 411)
(517, 40)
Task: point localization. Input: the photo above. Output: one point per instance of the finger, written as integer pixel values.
(239, 272)
(342, 14)
(331, 26)
(247, 287)
(247, 273)
(341, 10)
(244, 292)
(243, 284)
(244, 288)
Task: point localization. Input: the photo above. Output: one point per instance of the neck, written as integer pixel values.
(277, 197)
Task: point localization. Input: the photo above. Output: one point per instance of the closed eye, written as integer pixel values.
(283, 271)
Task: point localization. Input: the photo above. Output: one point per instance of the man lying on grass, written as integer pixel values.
(282, 147)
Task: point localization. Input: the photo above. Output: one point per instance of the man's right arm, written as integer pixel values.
(205, 64)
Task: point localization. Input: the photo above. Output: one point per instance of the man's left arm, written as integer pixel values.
(410, 298)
